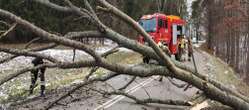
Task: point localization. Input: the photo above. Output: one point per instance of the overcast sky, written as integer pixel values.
(189, 2)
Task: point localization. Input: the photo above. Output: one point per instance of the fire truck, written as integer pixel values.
(164, 29)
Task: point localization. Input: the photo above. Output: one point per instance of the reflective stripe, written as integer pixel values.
(182, 43)
(43, 83)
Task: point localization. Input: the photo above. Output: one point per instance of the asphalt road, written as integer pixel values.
(152, 88)
(141, 88)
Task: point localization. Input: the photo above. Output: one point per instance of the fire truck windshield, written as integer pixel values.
(149, 25)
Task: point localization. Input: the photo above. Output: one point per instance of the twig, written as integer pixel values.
(9, 30)
(175, 84)
(146, 101)
(107, 53)
(74, 54)
(32, 41)
(147, 93)
(127, 84)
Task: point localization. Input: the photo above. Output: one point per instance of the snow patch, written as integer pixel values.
(199, 43)
(65, 55)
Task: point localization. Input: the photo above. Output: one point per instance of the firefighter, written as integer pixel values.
(182, 46)
(182, 43)
(34, 75)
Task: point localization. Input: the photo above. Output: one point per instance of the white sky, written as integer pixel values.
(189, 3)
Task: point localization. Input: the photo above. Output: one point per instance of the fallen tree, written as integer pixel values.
(167, 68)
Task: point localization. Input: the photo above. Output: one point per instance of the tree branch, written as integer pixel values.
(146, 101)
(28, 53)
(127, 84)
(8, 31)
(31, 42)
(39, 48)
(54, 6)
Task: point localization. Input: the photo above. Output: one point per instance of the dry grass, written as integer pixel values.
(226, 74)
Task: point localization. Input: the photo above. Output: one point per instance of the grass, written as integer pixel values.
(225, 74)
(124, 57)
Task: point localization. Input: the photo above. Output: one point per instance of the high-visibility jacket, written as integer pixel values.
(182, 43)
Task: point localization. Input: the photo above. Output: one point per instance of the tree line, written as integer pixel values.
(227, 25)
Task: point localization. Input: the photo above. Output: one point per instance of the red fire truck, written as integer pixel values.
(165, 29)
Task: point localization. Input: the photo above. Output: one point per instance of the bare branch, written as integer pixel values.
(147, 101)
(31, 42)
(175, 84)
(76, 35)
(40, 48)
(84, 63)
(28, 53)
(168, 102)
(54, 6)
(8, 31)
(94, 69)
(82, 12)
(127, 84)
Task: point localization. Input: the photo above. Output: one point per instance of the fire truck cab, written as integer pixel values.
(168, 30)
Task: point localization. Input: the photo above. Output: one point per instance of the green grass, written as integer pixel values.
(124, 57)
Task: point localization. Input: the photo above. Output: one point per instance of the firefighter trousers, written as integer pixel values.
(34, 77)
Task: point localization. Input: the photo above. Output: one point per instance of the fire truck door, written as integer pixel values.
(174, 33)
(162, 29)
